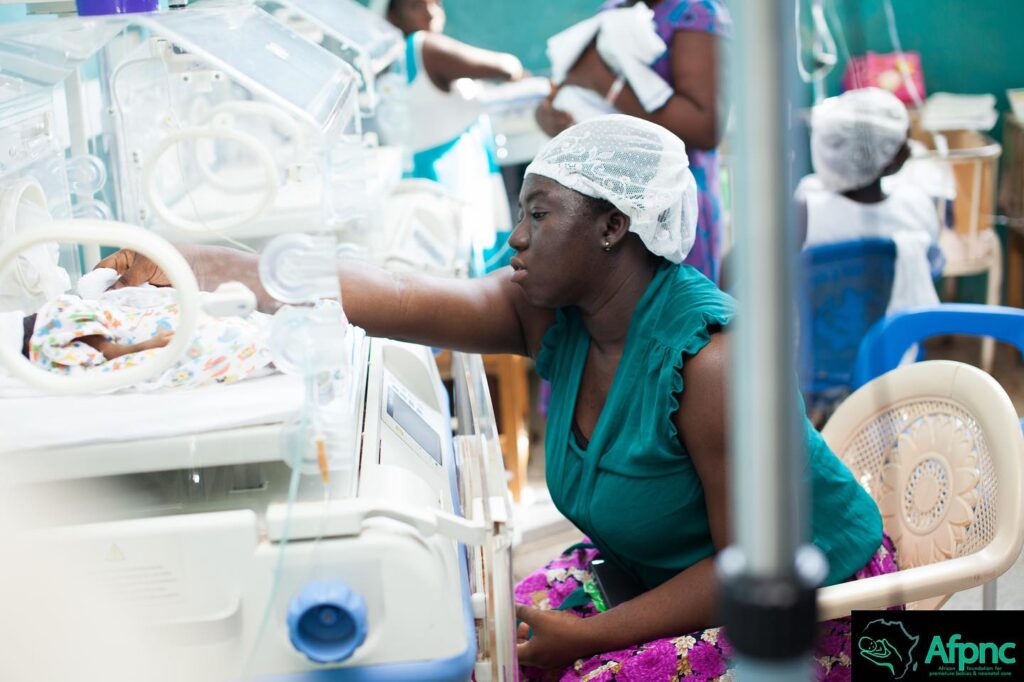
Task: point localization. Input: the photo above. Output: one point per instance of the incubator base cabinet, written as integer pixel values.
(394, 568)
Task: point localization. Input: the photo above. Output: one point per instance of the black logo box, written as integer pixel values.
(895, 645)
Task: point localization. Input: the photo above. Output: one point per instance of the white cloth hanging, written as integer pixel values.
(627, 42)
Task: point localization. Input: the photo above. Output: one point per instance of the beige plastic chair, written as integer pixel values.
(938, 446)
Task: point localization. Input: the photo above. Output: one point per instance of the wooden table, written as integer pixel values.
(1011, 202)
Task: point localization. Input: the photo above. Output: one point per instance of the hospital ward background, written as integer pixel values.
(577, 340)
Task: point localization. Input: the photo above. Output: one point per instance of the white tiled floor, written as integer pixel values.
(546, 538)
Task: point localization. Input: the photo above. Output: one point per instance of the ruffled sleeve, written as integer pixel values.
(683, 332)
(670, 379)
(705, 16)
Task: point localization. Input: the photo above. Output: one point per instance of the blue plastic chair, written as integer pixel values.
(887, 341)
(844, 288)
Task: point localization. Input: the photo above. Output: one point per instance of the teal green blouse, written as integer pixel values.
(634, 490)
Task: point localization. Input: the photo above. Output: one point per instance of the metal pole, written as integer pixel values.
(768, 576)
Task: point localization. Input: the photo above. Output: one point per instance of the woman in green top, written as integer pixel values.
(632, 344)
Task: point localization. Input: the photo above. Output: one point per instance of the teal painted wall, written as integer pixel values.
(517, 26)
(966, 46)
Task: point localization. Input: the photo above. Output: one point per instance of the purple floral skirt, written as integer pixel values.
(697, 657)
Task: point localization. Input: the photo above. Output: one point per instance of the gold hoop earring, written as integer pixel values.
(607, 246)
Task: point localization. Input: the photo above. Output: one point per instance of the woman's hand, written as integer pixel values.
(551, 120)
(558, 638)
(135, 269)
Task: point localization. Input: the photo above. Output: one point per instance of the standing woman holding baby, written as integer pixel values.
(451, 141)
(693, 31)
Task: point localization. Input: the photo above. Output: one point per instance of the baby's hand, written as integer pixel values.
(158, 341)
(552, 121)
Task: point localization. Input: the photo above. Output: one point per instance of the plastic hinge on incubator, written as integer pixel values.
(491, 562)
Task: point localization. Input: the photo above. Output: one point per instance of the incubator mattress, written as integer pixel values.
(31, 421)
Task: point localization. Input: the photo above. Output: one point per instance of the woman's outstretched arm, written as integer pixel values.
(483, 315)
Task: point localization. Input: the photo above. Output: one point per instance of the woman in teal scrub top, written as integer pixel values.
(635, 346)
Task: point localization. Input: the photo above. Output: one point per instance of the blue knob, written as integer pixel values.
(327, 621)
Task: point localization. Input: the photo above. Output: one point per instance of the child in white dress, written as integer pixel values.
(857, 139)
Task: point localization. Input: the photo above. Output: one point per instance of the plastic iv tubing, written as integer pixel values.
(941, 144)
(829, 61)
(293, 493)
(307, 420)
(844, 49)
(824, 51)
(894, 36)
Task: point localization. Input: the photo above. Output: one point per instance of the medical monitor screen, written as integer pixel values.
(414, 425)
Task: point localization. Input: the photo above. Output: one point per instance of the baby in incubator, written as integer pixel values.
(109, 331)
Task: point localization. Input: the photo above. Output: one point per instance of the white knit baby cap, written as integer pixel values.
(12, 332)
(638, 166)
(855, 136)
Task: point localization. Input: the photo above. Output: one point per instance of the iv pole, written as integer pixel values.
(768, 576)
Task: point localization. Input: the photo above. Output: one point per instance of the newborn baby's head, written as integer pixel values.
(28, 326)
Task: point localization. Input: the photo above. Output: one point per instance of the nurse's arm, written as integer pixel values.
(483, 315)
(687, 602)
(447, 59)
(694, 110)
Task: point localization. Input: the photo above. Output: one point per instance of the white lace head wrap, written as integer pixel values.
(855, 136)
(639, 167)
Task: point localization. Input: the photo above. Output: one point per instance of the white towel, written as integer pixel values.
(583, 103)
(946, 111)
(912, 285)
(627, 42)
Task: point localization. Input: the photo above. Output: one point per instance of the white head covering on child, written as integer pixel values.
(638, 166)
(855, 136)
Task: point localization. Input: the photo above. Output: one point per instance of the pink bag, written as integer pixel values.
(884, 71)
